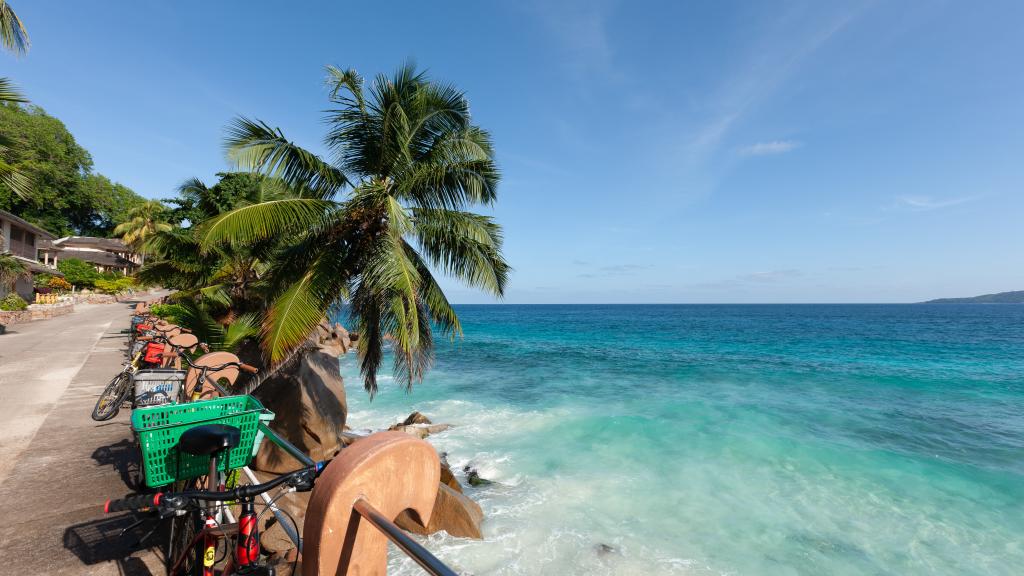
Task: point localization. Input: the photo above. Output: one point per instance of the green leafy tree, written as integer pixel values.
(144, 221)
(78, 272)
(66, 196)
(227, 277)
(369, 227)
(109, 204)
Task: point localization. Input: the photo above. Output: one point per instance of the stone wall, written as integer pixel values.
(36, 312)
(47, 311)
(8, 318)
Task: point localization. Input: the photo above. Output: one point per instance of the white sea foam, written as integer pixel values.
(534, 524)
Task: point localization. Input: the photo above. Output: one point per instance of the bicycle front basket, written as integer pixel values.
(160, 427)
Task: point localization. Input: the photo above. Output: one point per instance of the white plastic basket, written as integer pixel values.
(158, 386)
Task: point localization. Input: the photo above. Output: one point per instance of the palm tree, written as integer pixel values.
(410, 162)
(13, 35)
(144, 221)
(11, 270)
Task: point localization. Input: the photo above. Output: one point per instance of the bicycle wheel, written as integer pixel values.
(113, 396)
(180, 549)
(182, 531)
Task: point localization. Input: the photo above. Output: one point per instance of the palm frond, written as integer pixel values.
(256, 146)
(13, 35)
(465, 245)
(8, 93)
(265, 220)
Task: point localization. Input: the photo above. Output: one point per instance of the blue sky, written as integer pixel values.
(652, 151)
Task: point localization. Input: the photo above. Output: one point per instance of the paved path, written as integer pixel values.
(58, 466)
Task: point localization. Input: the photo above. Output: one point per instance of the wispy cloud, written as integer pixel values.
(770, 65)
(581, 27)
(770, 148)
(770, 276)
(928, 203)
(615, 270)
(743, 281)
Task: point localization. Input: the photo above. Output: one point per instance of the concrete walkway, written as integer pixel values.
(58, 466)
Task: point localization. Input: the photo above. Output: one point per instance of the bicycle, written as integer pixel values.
(110, 401)
(198, 516)
(116, 392)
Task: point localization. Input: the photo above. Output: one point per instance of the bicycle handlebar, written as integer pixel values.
(240, 365)
(168, 502)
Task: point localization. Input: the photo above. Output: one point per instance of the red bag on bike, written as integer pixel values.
(154, 353)
(141, 328)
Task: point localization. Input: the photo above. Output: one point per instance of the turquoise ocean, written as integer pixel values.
(729, 439)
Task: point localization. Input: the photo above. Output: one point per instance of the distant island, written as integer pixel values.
(1016, 297)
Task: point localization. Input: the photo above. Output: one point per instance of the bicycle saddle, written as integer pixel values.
(209, 439)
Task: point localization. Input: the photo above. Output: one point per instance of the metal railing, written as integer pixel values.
(411, 548)
(399, 538)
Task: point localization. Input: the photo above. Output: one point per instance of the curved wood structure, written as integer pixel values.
(212, 359)
(182, 341)
(393, 471)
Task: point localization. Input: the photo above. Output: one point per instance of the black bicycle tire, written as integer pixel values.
(122, 381)
(181, 530)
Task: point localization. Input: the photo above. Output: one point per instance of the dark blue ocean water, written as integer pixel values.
(732, 439)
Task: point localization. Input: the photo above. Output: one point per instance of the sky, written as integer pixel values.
(697, 151)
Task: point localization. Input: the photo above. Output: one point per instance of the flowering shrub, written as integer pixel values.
(59, 284)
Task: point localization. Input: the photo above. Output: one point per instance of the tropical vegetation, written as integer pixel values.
(78, 272)
(66, 196)
(368, 229)
(13, 303)
(11, 270)
(13, 37)
(144, 221)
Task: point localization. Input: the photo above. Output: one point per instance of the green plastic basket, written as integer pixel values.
(159, 428)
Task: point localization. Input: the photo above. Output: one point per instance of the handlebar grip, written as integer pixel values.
(248, 368)
(185, 330)
(204, 347)
(136, 502)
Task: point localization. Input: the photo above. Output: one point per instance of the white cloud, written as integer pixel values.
(927, 203)
(770, 148)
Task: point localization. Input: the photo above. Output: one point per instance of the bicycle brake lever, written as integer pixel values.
(303, 482)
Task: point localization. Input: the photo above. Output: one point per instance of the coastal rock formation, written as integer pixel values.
(454, 513)
(419, 426)
(473, 477)
(448, 479)
(416, 418)
(420, 431)
(307, 396)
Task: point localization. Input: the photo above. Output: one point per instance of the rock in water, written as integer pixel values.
(416, 418)
(449, 479)
(307, 397)
(604, 549)
(473, 477)
(454, 512)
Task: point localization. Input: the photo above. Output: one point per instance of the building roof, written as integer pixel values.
(94, 257)
(111, 244)
(37, 268)
(25, 223)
